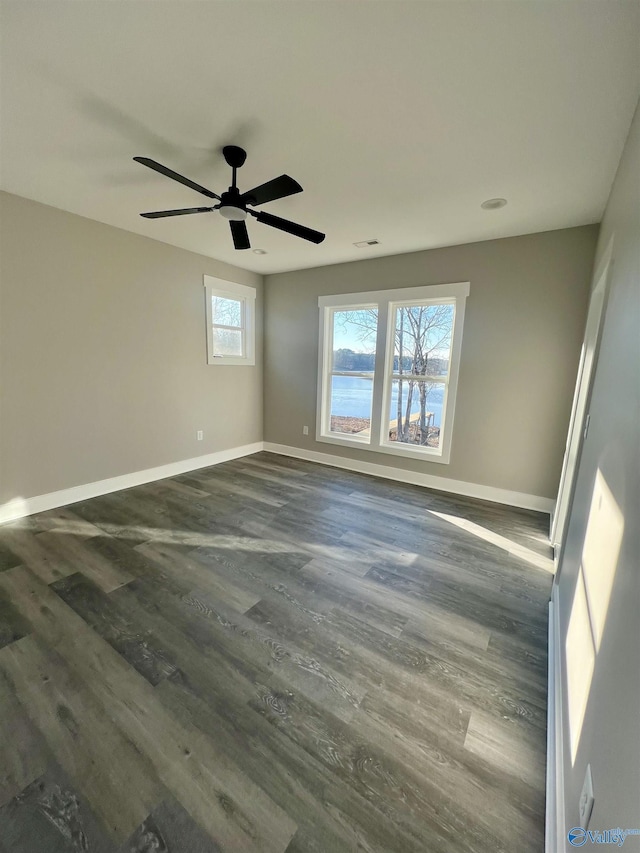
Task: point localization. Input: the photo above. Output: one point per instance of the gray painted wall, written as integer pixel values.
(103, 354)
(523, 330)
(610, 736)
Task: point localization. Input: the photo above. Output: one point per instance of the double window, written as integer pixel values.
(388, 369)
(230, 322)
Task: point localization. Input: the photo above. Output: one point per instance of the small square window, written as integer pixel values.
(230, 310)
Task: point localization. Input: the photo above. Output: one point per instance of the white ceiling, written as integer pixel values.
(398, 118)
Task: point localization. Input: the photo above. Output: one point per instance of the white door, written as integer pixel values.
(579, 423)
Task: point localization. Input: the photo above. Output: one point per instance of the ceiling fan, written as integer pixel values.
(234, 205)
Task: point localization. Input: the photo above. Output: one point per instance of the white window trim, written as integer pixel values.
(247, 296)
(385, 301)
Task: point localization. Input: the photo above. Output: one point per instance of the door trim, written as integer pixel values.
(581, 402)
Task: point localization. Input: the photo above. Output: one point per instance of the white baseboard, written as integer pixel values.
(442, 484)
(555, 828)
(20, 507)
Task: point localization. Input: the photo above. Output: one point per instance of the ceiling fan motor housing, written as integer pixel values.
(231, 207)
(234, 155)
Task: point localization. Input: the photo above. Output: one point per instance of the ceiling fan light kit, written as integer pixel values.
(234, 205)
(235, 214)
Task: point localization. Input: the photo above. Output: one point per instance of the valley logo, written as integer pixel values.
(578, 836)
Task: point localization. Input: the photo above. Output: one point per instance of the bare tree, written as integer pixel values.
(227, 312)
(428, 330)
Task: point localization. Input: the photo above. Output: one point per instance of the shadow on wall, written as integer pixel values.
(598, 565)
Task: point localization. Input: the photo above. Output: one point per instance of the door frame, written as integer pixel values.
(579, 421)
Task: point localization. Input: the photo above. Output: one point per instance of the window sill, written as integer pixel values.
(417, 453)
(231, 362)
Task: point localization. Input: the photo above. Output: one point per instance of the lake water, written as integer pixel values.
(351, 397)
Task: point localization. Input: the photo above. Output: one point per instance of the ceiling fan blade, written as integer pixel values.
(169, 173)
(277, 188)
(289, 227)
(158, 214)
(240, 234)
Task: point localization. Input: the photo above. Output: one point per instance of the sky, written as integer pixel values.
(349, 336)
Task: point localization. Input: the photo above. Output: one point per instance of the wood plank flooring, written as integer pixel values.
(271, 655)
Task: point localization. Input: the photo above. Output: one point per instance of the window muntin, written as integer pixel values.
(405, 359)
(230, 310)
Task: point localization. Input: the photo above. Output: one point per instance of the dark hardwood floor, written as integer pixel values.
(271, 655)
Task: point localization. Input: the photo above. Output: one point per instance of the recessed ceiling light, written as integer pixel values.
(493, 203)
(363, 243)
(259, 252)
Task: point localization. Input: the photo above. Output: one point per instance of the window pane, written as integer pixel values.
(354, 340)
(417, 407)
(423, 339)
(351, 398)
(227, 342)
(226, 312)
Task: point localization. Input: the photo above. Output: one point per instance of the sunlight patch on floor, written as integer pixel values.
(519, 551)
(176, 537)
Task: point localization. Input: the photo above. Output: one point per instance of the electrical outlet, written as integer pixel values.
(585, 806)
(200, 435)
(305, 430)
